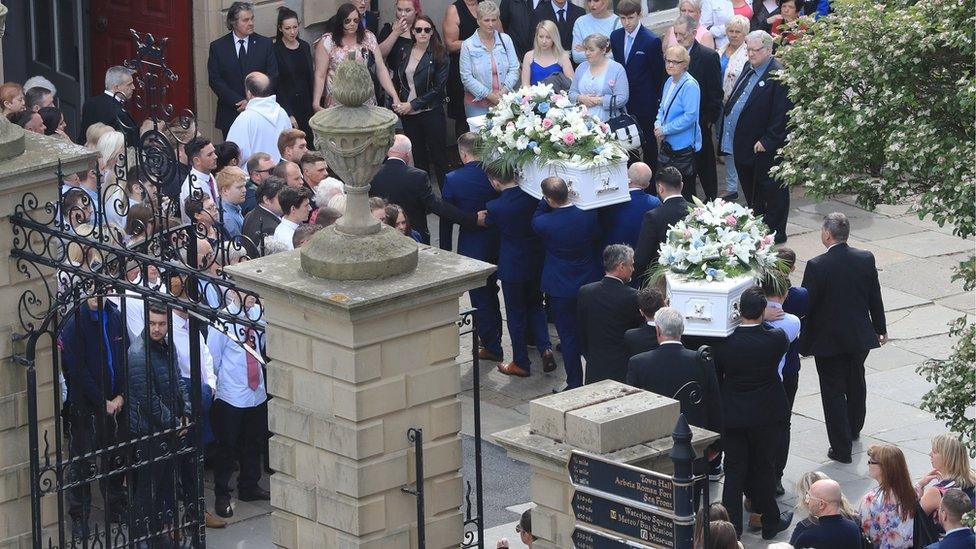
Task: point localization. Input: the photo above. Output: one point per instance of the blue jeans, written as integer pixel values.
(523, 308)
(206, 401)
(731, 176)
(564, 316)
(474, 110)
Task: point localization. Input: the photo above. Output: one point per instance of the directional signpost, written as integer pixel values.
(627, 506)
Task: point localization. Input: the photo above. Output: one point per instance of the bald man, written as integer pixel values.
(399, 182)
(829, 527)
(258, 127)
(621, 223)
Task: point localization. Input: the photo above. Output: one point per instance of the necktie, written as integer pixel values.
(213, 191)
(630, 44)
(253, 367)
(562, 17)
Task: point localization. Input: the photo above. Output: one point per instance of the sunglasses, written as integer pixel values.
(351, 20)
(423, 30)
(872, 462)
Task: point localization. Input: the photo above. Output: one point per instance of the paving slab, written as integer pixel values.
(926, 320)
(928, 224)
(964, 302)
(900, 385)
(926, 244)
(937, 347)
(830, 206)
(881, 228)
(891, 357)
(896, 299)
(920, 277)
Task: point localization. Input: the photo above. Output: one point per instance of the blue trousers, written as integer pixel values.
(564, 316)
(523, 309)
(488, 315)
(206, 401)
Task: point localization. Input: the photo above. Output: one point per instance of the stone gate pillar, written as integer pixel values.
(354, 364)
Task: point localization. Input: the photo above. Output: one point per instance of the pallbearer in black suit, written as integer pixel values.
(654, 229)
(673, 371)
(109, 108)
(643, 339)
(753, 411)
(520, 272)
(232, 57)
(606, 310)
(845, 321)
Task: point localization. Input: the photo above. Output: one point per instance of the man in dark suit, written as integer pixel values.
(564, 14)
(520, 271)
(706, 68)
(621, 223)
(570, 236)
(753, 127)
(517, 18)
(828, 528)
(673, 371)
(109, 107)
(643, 339)
(639, 51)
(469, 189)
(955, 504)
(232, 57)
(264, 219)
(402, 184)
(753, 411)
(654, 228)
(606, 309)
(845, 321)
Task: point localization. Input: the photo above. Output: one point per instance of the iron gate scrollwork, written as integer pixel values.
(123, 456)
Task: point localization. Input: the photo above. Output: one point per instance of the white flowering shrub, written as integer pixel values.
(537, 122)
(885, 104)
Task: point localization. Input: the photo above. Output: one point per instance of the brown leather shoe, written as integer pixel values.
(512, 369)
(485, 354)
(212, 521)
(548, 361)
(755, 521)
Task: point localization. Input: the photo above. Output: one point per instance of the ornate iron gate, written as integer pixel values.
(123, 456)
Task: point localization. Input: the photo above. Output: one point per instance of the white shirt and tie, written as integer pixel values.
(198, 180)
(241, 44)
(231, 366)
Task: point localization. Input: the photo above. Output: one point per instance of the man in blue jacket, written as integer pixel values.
(94, 363)
(571, 238)
(520, 271)
(468, 189)
(621, 223)
(955, 504)
(639, 51)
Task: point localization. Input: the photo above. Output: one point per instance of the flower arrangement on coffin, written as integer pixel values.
(537, 124)
(719, 240)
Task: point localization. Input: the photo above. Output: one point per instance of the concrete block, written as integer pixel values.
(292, 496)
(365, 478)
(404, 354)
(352, 440)
(346, 364)
(289, 420)
(358, 517)
(443, 343)
(439, 458)
(433, 383)
(443, 493)
(445, 419)
(401, 509)
(366, 401)
(543, 522)
(550, 492)
(280, 380)
(547, 415)
(445, 531)
(384, 540)
(396, 424)
(281, 452)
(621, 422)
(287, 346)
(312, 391)
(284, 529)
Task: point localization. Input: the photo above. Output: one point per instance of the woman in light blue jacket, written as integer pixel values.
(600, 83)
(677, 118)
(489, 63)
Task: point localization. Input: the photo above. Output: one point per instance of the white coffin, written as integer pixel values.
(589, 187)
(476, 122)
(709, 308)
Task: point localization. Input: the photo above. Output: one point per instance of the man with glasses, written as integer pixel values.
(259, 167)
(753, 127)
(826, 528)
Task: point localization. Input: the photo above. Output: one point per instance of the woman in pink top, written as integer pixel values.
(691, 8)
(743, 8)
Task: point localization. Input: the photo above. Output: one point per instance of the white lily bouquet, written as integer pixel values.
(536, 124)
(716, 241)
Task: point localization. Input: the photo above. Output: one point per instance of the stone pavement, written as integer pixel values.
(915, 259)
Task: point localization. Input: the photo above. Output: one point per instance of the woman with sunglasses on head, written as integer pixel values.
(347, 35)
(887, 512)
(397, 37)
(420, 79)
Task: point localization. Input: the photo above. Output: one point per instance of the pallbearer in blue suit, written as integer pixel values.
(571, 238)
(520, 271)
(621, 223)
(469, 190)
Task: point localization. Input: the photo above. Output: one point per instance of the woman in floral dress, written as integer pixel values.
(887, 512)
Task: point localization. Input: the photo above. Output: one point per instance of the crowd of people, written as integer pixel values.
(264, 190)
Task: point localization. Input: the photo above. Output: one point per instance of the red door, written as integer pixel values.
(111, 42)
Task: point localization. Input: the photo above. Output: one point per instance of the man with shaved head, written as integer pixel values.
(828, 527)
(258, 127)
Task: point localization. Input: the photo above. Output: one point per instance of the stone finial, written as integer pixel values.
(352, 85)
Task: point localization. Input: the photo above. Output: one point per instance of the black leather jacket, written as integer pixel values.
(429, 80)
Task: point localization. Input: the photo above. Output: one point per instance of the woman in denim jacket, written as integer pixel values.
(489, 63)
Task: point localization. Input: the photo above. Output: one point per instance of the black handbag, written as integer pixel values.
(924, 530)
(559, 82)
(624, 126)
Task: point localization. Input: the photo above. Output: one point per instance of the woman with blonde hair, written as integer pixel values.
(547, 56)
(489, 63)
(951, 468)
(693, 9)
(887, 512)
(95, 132)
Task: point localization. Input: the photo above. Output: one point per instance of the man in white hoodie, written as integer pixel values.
(257, 128)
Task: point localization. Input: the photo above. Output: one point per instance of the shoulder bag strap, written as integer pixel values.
(673, 97)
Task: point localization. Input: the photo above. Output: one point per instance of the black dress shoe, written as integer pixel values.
(222, 508)
(254, 494)
(785, 519)
(779, 488)
(831, 454)
(548, 361)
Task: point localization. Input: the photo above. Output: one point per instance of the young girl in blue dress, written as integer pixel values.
(547, 56)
